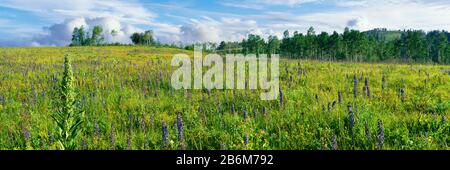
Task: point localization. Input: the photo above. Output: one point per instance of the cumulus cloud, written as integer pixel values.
(358, 23)
(223, 29)
(61, 34)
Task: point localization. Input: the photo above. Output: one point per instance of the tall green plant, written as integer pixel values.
(67, 118)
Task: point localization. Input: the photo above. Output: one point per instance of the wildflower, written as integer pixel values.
(351, 121)
(180, 127)
(129, 139)
(26, 134)
(245, 115)
(349, 107)
(246, 139)
(165, 135)
(402, 94)
(281, 98)
(383, 82)
(264, 111)
(142, 123)
(83, 144)
(329, 107)
(112, 137)
(130, 118)
(340, 97)
(42, 142)
(367, 132)
(222, 146)
(51, 139)
(233, 110)
(2, 100)
(380, 135)
(443, 120)
(254, 113)
(96, 128)
(355, 86)
(333, 104)
(334, 142)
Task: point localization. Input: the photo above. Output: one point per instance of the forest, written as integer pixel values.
(376, 45)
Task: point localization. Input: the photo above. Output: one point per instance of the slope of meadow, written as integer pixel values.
(126, 95)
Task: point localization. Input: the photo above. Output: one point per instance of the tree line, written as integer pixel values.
(95, 37)
(351, 45)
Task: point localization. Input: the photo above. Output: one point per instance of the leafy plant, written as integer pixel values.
(67, 118)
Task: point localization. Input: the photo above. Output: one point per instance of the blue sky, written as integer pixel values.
(50, 22)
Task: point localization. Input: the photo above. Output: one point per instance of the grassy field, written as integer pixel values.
(126, 95)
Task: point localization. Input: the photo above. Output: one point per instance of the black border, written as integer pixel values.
(281, 159)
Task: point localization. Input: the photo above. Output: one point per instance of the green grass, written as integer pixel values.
(113, 83)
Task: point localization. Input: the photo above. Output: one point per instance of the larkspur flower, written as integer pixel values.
(334, 142)
(367, 132)
(112, 137)
(340, 97)
(402, 94)
(355, 86)
(246, 139)
(264, 111)
(129, 144)
(26, 134)
(233, 110)
(165, 135)
(380, 136)
(180, 128)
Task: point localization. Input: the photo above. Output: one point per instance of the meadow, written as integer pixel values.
(129, 104)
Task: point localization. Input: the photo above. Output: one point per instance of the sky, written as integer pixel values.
(50, 22)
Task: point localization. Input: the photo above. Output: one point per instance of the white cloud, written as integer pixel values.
(223, 29)
(131, 11)
(287, 2)
(262, 4)
(365, 15)
(61, 34)
(58, 34)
